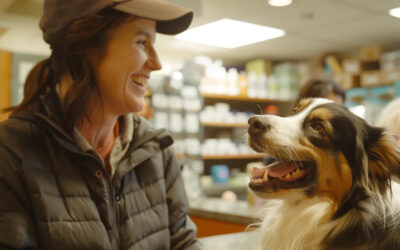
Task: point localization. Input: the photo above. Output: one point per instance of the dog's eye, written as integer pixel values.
(318, 127)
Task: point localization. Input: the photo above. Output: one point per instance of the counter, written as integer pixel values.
(229, 211)
(214, 216)
(235, 241)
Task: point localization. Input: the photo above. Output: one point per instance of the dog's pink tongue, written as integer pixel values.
(279, 169)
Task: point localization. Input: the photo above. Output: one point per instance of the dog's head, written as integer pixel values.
(322, 149)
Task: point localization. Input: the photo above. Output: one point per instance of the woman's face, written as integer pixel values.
(125, 67)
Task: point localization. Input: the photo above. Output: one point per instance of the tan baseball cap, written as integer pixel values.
(57, 14)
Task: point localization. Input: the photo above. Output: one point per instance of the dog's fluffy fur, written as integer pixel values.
(331, 186)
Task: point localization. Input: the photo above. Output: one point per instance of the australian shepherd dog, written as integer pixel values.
(330, 186)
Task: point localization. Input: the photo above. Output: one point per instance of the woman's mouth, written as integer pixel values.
(142, 81)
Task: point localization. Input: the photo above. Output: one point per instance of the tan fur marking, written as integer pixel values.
(334, 181)
(302, 105)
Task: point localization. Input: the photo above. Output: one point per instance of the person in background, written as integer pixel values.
(322, 87)
(78, 169)
(389, 119)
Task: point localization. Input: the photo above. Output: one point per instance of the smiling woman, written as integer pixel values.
(78, 169)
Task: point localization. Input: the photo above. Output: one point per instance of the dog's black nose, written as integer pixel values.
(258, 124)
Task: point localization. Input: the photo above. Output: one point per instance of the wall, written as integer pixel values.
(5, 82)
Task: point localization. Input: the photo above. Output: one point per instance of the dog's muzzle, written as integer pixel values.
(258, 125)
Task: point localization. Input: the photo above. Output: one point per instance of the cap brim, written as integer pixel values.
(171, 19)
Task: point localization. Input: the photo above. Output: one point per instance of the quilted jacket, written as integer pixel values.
(55, 196)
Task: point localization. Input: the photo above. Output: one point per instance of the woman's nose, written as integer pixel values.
(153, 61)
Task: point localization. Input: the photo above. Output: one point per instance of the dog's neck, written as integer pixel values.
(295, 224)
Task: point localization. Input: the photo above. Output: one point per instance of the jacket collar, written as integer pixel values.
(47, 109)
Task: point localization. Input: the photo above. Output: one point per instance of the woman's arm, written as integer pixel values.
(16, 220)
(183, 230)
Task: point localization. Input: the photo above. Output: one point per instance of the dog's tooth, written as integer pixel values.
(265, 177)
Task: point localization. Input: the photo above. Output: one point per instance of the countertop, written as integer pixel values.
(230, 211)
(237, 241)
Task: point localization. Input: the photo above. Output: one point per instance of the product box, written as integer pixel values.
(347, 80)
(356, 96)
(390, 76)
(259, 66)
(370, 78)
(371, 53)
(381, 95)
(351, 65)
(390, 61)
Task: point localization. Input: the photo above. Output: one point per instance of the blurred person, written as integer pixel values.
(78, 169)
(322, 87)
(389, 118)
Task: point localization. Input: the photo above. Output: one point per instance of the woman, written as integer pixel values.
(78, 170)
(322, 87)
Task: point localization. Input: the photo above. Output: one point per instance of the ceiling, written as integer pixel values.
(313, 28)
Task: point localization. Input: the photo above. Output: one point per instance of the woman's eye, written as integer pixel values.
(318, 127)
(142, 42)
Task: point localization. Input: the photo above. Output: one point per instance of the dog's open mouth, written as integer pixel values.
(285, 175)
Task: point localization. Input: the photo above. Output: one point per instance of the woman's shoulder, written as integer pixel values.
(18, 131)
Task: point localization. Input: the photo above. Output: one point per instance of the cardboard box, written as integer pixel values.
(334, 65)
(370, 78)
(371, 53)
(390, 60)
(391, 76)
(348, 81)
(352, 66)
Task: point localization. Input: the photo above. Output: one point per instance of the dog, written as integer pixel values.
(331, 185)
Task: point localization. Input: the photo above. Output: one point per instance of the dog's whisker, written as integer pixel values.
(260, 109)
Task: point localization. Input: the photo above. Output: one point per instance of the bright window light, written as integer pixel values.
(228, 33)
(279, 3)
(395, 12)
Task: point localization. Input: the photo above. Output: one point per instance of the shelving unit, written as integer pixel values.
(224, 125)
(211, 129)
(241, 98)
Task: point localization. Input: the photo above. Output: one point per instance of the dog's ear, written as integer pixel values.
(383, 155)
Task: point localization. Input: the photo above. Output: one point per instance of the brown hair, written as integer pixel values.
(320, 87)
(70, 56)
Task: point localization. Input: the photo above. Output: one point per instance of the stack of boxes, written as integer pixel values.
(372, 80)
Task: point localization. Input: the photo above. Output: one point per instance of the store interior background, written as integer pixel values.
(204, 94)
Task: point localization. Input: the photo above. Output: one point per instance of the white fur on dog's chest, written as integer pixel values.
(295, 226)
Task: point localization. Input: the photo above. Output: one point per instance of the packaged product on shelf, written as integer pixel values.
(233, 82)
(176, 122)
(160, 119)
(390, 61)
(192, 123)
(192, 146)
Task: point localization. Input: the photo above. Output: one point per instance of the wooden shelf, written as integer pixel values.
(224, 125)
(231, 157)
(241, 98)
